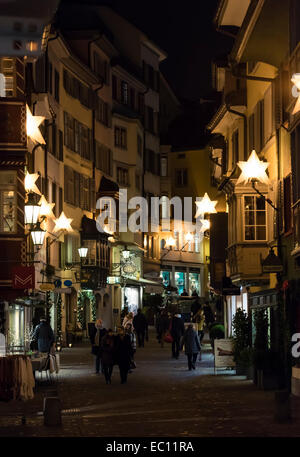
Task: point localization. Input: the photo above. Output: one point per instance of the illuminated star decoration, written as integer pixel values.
(253, 169)
(296, 80)
(46, 208)
(29, 183)
(32, 126)
(205, 205)
(63, 223)
(205, 225)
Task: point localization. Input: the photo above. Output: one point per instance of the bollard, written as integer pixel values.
(52, 411)
(282, 406)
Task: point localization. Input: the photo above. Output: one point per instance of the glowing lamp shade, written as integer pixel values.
(170, 241)
(32, 126)
(46, 208)
(205, 205)
(125, 254)
(83, 252)
(189, 237)
(296, 81)
(38, 235)
(63, 223)
(31, 210)
(253, 170)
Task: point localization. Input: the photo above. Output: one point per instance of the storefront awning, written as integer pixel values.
(151, 287)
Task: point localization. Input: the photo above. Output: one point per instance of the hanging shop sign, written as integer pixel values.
(113, 280)
(68, 283)
(47, 286)
(57, 283)
(23, 277)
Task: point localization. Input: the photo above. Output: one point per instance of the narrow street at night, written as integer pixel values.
(161, 398)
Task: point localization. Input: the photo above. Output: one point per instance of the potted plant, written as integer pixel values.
(241, 342)
(216, 332)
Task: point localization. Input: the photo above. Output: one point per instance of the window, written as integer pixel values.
(140, 145)
(255, 218)
(137, 181)
(121, 137)
(181, 177)
(55, 209)
(251, 133)
(84, 142)
(8, 223)
(197, 242)
(163, 166)
(60, 200)
(60, 146)
(165, 208)
(235, 147)
(122, 176)
(53, 149)
(69, 131)
(287, 209)
(102, 111)
(124, 93)
(7, 78)
(77, 137)
(150, 118)
(103, 158)
(56, 85)
(114, 87)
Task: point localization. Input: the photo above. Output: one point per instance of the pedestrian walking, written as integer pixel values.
(209, 315)
(162, 326)
(128, 319)
(96, 337)
(129, 331)
(177, 330)
(124, 313)
(107, 354)
(199, 319)
(140, 326)
(191, 343)
(123, 353)
(44, 335)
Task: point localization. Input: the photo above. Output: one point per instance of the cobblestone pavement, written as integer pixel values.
(161, 398)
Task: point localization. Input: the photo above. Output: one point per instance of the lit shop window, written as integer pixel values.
(254, 218)
(7, 203)
(165, 275)
(180, 281)
(194, 283)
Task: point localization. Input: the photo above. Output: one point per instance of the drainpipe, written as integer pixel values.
(144, 149)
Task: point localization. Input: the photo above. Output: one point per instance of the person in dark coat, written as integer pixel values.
(184, 293)
(177, 330)
(44, 335)
(191, 343)
(107, 354)
(209, 315)
(96, 337)
(140, 325)
(123, 352)
(162, 326)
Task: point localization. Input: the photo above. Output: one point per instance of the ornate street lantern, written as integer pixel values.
(38, 235)
(32, 210)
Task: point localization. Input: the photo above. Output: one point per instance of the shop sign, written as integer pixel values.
(23, 277)
(12, 125)
(113, 280)
(223, 352)
(47, 286)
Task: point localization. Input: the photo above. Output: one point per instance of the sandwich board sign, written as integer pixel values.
(223, 352)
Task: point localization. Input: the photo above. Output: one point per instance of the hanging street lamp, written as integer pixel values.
(82, 252)
(38, 235)
(31, 210)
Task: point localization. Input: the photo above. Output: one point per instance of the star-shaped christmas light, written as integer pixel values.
(63, 223)
(296, 81)
(29, 184)
(205, 205)
(205, 225)
(253, 169)
(32, 126)
(46, 208)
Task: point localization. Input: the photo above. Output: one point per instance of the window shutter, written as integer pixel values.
(81, 194)
(66, 177)
(92, 194)
(287, 204)
(60, 200)
(60, 146)
(40, 74)
(77, 189)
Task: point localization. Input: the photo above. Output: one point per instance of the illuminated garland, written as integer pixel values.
(81, 315)
(58, 317)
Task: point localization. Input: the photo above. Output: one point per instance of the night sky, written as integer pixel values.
(184, 29)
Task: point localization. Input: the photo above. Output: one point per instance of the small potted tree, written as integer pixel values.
(241, 342)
